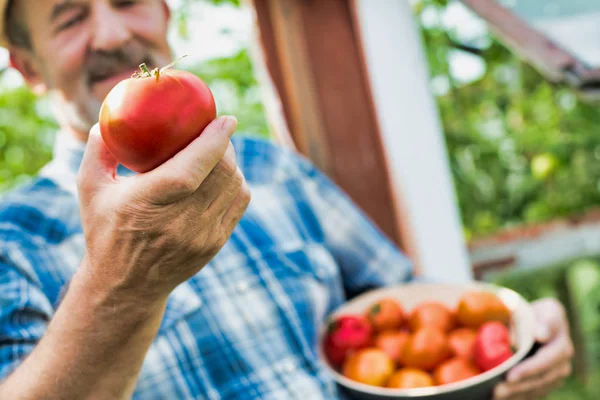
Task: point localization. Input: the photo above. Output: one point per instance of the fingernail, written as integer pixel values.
(229, 124)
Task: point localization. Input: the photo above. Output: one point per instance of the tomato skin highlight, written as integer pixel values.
(144, 121)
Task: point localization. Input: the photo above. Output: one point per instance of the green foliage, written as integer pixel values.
(236, 91)
(26, 136)
(521, 149)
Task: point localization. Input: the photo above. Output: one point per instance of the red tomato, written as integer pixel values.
(454, 370)
(346, 333)
(492, 345)
(431, 314)
(425, 349)
(386, 314)
(146, 120)
(462, 342)
(392, 343)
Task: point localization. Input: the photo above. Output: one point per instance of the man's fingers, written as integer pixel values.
(237, 209)
(227, 195)
(558, 350)
(98, 165)
(550, 319)
(218, 181)
(183, 174)
(534, 385)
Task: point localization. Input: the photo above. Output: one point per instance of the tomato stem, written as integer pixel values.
(145, 70)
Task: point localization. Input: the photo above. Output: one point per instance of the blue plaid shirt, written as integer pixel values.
(247, 325)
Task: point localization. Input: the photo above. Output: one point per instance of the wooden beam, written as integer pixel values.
(316, 64)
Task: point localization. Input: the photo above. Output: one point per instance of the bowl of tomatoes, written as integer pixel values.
(427, 341)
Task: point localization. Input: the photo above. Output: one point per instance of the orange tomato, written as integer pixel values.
(454, 370)
(476, 308)
(392, 343)
(462, 342)
(431, 314)
(409, 378)
(386, 314)
(369, 366)
(425, 349)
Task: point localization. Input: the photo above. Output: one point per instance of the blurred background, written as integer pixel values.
(520, 132)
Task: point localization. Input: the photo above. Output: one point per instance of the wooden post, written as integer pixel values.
(316, 64)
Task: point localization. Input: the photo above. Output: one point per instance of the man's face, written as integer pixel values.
(82, 48)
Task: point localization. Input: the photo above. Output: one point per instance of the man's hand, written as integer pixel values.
(148, 233)
(546, 370)
(145, 235)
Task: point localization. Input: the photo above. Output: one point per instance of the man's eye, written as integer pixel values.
(71, 22)
(124, 3)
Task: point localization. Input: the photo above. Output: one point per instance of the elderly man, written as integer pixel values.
(179, 287)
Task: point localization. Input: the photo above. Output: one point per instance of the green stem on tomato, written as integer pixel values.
(145, 70)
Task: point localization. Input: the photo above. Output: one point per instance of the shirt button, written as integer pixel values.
(242, 286)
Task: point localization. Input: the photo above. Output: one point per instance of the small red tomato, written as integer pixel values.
(492, 345)
(392, 343)
(386, 314)
(454, 370)
(478, 307)
(431, 314)
(425, 349)
(147, 119)
(462, 342)
(346, 333)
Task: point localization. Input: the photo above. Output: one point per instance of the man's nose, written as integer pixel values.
(109, 30)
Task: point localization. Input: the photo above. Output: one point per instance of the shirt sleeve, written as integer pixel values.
(368, 259)
(24, 317)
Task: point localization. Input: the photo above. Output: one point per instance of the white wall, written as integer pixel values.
(412, 135)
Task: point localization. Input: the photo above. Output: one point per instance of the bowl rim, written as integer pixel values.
(442, 389)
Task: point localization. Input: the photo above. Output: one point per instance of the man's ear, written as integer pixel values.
(167, 11)
(23, 61)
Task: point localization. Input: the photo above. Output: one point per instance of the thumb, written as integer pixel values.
(98, 167)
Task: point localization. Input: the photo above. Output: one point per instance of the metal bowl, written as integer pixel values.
(479, 387)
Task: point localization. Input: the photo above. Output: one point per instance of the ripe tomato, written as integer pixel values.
(462, 342)
(369, 366)
(346, 333)
(386, 314)
(476, 308)
(454, 370)
(433, 315)
(392, 343)
(425, 349)
(409, 378)
(492, 345)
(147, 119)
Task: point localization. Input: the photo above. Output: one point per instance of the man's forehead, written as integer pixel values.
(50, 9)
